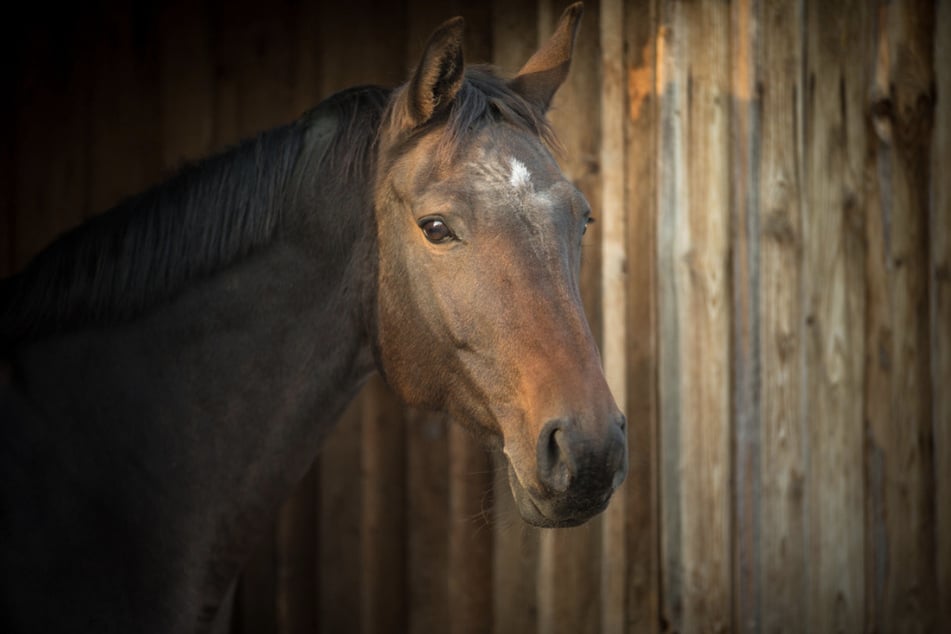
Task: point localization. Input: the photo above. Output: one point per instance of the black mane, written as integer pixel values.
(149, 245)
(217, 211)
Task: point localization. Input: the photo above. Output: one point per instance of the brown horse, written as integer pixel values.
(168, 370)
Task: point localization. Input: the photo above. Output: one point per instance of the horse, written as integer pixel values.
(169, 368)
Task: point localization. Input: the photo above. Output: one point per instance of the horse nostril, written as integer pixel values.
(617, 453)
(555, 462)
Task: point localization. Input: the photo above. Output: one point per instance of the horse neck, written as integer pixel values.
(211, 406)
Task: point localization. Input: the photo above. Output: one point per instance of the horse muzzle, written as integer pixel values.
(576, 472)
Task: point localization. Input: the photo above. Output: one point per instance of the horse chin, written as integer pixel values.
(551, 513)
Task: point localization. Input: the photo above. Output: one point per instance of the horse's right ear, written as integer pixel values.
(438, 77)
(547, 69)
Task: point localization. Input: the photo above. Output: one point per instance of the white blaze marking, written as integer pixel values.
(520, 176)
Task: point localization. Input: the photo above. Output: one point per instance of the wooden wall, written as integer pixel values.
(769, 280)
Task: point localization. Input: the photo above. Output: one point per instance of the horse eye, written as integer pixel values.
(436, 230)
(589, 220)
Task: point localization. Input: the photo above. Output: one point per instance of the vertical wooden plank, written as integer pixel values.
(694, 316)
(642, 531)
(702, 261)
(423, 17)
(124, 149)
(514, 562)
(900, 581)
(307, 57)
(52, 114)
(769, 549)
(833, 300)
(383, 605)
(781, 514)
(613, 555)
(295, 558)
(186, 81)
(669, 192)
(515, 544)
(569, 576)
(256, 66)
(364, 42)
(569, 579)
(745, 240)
(339, 526)
(428, 505)
(469, 570)
(939, 250)
(515, 33)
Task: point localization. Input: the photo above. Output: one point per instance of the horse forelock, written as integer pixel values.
(484, 98)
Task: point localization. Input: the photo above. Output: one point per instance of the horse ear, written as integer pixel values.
(547, 69)
(438, 76)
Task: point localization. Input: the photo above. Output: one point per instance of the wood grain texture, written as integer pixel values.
(778, 92)
(900, 576)
(614, 351)
(939, 275)
(514, 33)
(670, 192)
(768, 432)
(642, 529)
(694, 320)
(383, 521)
(469, 566)
(834, 306)
(515, 552)
(746, 104)
(340, 578)
(427, 546)
(295, 558)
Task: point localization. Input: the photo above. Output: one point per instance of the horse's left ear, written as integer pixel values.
(547, 69)
(438, 76)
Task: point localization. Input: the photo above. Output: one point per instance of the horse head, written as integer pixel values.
(478, 310)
